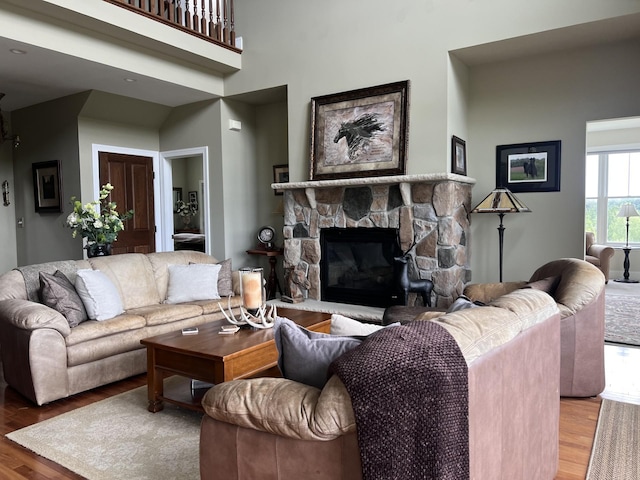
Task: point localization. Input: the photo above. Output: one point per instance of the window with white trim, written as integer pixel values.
(612, 179)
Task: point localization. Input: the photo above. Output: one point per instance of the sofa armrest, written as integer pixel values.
(283, 407)
(487, 292)
(28, 315)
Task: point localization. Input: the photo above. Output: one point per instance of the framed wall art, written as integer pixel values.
(529, 167)
(47, 185)
(193, 199)
(458, 156)
(280, 175)
(360, 133)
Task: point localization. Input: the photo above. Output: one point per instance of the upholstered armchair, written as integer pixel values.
(578, 289)
(598, 255)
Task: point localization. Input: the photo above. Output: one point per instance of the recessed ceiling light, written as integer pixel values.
(130, 80)
(17, 51)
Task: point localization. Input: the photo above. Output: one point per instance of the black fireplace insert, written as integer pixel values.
(356, 266)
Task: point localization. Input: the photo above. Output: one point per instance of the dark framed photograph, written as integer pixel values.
(193, 199)
(458, 156)
(280, 175)
(360, 133)
(47, 186)
(529, 167)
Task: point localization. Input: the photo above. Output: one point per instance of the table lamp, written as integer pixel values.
(628, 210)
(501, 201)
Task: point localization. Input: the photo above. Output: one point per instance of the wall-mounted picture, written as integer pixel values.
(458, 156)
(280, 175)
(360, 133)
(47, 185)
(193, 199)
(177, 197)
(529, 167)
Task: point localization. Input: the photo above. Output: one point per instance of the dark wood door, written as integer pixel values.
(132, 179)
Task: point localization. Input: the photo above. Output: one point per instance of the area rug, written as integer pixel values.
(118, 438)
(616, 449)
(622, 319)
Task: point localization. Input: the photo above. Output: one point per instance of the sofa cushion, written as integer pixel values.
(57, 292)
(305, 356)
(92, 330)
(132, 274)
(188, 283)
(546, 285)
(161, 314)
(99, 295)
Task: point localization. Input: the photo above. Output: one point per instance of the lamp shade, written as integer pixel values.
(501, 200)
(628, 210)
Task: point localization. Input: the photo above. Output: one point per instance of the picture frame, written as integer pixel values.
(177, 197)
(458, 156)
(529, 167)
(360, 133)
(47, 186)
(193, 199)
(280, 175)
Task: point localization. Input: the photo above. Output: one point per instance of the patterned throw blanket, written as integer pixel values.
(31, 274)
(409, 389)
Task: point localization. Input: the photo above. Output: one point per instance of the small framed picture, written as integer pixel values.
(193, 199)
(529, 167)
(47, 186)
(177, 197)
(458, 156)
(280, 175)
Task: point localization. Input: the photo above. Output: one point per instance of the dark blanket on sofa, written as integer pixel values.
(409, 389)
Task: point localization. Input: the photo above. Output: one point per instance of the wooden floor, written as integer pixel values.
(578, 419)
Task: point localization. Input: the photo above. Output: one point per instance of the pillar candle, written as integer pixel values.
(252, 290)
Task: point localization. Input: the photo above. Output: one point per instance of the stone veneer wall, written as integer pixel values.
(431, 213)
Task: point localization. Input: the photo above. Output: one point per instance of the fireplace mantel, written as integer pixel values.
(430, 212)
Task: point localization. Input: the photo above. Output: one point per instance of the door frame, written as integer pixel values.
(166, 180)
(157, 191)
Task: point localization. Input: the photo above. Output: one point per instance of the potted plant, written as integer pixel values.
(186, 211)
(98, 221)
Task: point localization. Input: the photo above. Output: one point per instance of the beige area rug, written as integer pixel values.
(118, 438)
(616, 448)
(622, 313)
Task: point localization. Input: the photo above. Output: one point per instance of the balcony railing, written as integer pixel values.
(211, 20)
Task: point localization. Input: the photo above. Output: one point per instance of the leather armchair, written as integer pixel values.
(598, 255)
(579, 295)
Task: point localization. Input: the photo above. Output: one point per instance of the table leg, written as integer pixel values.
(272, 282)
(155, 383)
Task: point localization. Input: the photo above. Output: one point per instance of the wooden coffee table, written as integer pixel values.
(215, 358)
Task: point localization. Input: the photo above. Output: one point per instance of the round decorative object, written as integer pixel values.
(266, 235)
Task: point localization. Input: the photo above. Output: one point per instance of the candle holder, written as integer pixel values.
(254, 310)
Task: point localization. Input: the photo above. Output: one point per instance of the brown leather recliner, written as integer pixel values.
(579, 295)
(598, 255)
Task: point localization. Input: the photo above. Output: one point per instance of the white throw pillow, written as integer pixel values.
(99, 295)
(345, 326)
(188, 283)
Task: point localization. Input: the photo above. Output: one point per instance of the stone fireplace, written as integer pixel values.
(429, 212)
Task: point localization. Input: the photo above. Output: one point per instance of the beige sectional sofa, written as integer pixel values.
(278, 428)
(45, 359)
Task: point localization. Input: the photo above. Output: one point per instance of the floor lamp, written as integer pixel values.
(627, 210)
(501, 201)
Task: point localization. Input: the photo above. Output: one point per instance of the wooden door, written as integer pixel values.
(132, 179)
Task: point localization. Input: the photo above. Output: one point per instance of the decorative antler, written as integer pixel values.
(263, 319)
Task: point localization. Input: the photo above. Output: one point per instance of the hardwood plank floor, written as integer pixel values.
(578, 418)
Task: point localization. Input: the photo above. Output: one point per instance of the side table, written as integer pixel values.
(272, 282)
(626, 264)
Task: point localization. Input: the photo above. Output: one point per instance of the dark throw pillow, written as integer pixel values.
(57, 292)
(305, 356)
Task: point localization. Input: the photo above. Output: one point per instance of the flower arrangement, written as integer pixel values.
(97, 221)
(185, 209)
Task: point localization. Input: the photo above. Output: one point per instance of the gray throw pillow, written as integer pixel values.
(57, 292)
(305, 356)
(225, 281)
